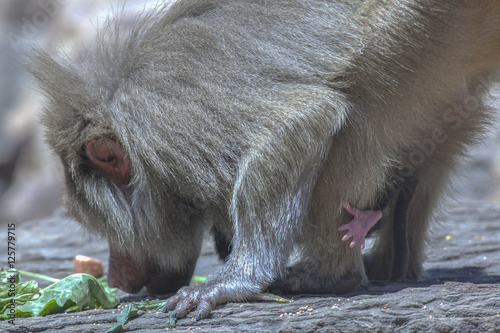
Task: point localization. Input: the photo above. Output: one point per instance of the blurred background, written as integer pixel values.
(30, 174)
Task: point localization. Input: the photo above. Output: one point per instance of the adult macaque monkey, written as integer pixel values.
(262, 118)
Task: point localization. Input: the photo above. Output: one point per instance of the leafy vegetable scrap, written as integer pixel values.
(131, 309)
(75, 293)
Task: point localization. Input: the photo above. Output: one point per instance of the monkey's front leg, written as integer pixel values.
(362, 223)
(261, 237)
(230, 285)
(270, 199)
(268, 207)
(258, 256)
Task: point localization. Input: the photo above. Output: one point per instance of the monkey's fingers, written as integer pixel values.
(345, 227)
(187, 299)
(361, 224)
(172, 302)
(355, 238)
(181, 303)
(204, 308)
(358, 228)
(350, 209)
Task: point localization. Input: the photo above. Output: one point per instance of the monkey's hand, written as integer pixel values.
(219, 289)
(362, 223)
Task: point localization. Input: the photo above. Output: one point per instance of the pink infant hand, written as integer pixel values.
(363, 221)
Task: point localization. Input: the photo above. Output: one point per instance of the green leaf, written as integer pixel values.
(131, 310)
(75, 292)
(172, 323)
(123, 318)
(13, 292)
(38, 276)
(103, 281)
(148, 305)
(199, 279)
(268, 297)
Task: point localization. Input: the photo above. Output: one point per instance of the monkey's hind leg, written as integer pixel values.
(325, 263)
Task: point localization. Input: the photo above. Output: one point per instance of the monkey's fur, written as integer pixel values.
(261, 118)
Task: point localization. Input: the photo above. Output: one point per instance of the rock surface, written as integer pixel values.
(460, 294)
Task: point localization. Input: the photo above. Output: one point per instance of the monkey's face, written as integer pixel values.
(130, 274)
(153, 242)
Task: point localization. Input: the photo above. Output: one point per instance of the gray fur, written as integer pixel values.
(261, 118)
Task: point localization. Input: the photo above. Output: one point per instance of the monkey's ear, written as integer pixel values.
(110, 160)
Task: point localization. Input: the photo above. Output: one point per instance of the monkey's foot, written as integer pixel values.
(206, 296)
(186, 299)
(304, 279)
(358, 228)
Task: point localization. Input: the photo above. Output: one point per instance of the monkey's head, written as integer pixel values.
(119, 182)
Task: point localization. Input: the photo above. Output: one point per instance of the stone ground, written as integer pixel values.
(461, 292)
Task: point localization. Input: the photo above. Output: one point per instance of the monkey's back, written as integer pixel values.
(216, 75)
